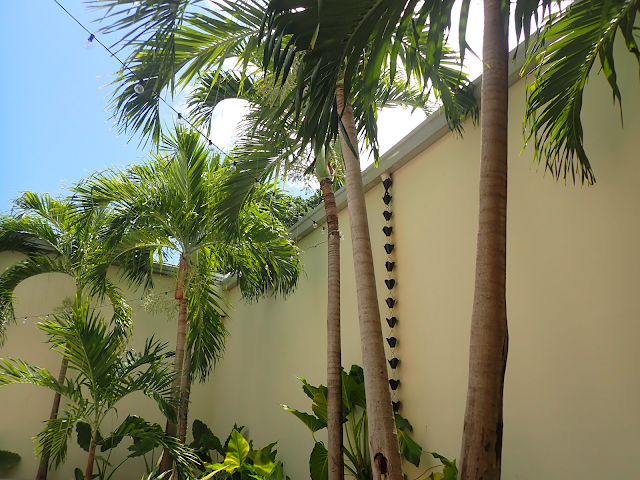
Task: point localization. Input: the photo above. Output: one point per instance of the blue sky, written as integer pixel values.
(54, 127)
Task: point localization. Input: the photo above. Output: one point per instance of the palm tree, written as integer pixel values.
(105, 375)
(334, 78)
(58, 237)
(207, 39)
(264, 141)
(172, 201)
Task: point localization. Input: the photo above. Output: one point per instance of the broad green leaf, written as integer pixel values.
(308, 389)
(261, 462)
(313, 423)
(278, 472)
(357, 373)
(269, 452)
(319, 397)
(78, 474)
(204, 439)
(83, 430)
(142, 446)
(402, 423)
(319, 462)
(319, 406)
(226, 442)
(237, 452)
(352, 393)
(8, 459)
(410, 450)
(450, 470)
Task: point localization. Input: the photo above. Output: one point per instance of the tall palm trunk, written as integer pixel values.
(383, 439)
(185, 392)
(334, 349)
(43, 468)
(482, 439)
(88, 473)
(181, 340)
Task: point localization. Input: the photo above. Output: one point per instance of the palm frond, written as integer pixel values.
(15, 239)
(207, 334)
(87, 342)
(54, 438)
(17, 371)
(565, 52)
(171, 49)
(371, 36)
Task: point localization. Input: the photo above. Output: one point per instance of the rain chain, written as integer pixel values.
(390, 283)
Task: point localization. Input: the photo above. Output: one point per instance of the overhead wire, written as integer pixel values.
(182, 117)
(46, 315)
(93, 36)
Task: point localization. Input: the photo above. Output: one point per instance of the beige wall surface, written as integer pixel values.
(573, 376)
(23, 408)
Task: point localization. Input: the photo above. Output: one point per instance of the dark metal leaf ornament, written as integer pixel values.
(392, 341)
(390, 302)
(390, 283)
(392, 322)
(387, 183)
(388, 247)
(396, 406)
(390, 266)
(387, 215)
(387, 231)
(394, 362)
(387, 198)
(394, 384)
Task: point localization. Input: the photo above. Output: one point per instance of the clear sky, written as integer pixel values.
(54, 126)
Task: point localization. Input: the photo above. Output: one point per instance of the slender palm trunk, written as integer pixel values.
(334, 349)
(181, 340)
(383, 438)
(44, 458)
(482, 439)
(185, 392)
(88, 473)
(43, 468)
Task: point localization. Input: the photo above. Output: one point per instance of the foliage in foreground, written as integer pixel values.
(354, 411)
(106, 373)
(241, 460)
(8, 459)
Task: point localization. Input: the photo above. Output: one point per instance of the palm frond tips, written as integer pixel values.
(355, 44)
(565, 52)
(173, 42)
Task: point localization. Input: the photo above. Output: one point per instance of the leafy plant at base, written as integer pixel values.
(106, 373)
(241, 461)
(354, 410)
(449, 469)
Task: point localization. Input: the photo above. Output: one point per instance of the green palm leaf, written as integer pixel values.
(565, 52)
